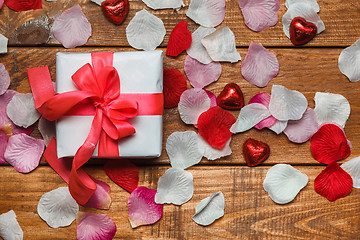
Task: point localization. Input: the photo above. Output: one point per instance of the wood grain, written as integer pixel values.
(300, 69)
(249, 211)
(339, 18)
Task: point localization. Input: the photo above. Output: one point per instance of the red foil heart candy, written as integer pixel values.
(231, 97)
(255, 152)
(115, 10)
(301, 31)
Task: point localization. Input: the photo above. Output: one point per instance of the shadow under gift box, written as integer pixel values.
(139, 72)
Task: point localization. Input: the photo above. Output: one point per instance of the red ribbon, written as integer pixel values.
(98, 95)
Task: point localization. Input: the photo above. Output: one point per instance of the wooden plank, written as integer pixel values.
(339, 18)
(307, 71)
(249, 211)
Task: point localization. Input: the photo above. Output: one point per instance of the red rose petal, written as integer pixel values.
(23, 5)
(180, 39)
(333, 182)
(174, 85)
(214, 126)
(124, 173)
(329, 144)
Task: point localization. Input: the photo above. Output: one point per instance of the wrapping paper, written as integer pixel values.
(140, 72)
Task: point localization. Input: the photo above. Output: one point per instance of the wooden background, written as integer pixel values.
(249, 211)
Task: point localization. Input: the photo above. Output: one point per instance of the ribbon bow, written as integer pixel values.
(99, 89)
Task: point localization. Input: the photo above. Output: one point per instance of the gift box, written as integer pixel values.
(139, 73)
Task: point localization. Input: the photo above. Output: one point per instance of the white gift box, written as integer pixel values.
(139, 72)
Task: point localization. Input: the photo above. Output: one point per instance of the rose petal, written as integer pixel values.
(193, 102)
(21, 110)
(200, 75)
(196, 49)
(352, 167)
(305, 11)
(349, 62)
(264, 99)
(4, 119)
(220, 45)
(212, 153)
(287, 104)
(57, 208)
(249, 116)
(183, 149)
(299, 131)
(24, 152)
(23, 5)
(312, 3)
(279, 126)
(210, 209)
(142, 207)
(212, 98)
(333, 182)
(3, 144)
(3, 44)
(101, 198)
(9, 227)
(163, 4)
(329, 144)
(175, 186)
(207, 13)
(259, 14)
(72, 28)
(259, 66)
(46, 129)
(283, 182)
(179, 40)
(145, 31)
(123, 172)
(1, 3)
(174, 85)
(92, 226)
(4, 79)
(331, 107)
(214, 126)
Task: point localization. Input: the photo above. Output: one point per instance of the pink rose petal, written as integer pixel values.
(193, 102)
(260, 65)
(101, 198)
(72, 28)
(3, 144)
(142, 207)
(92, 226)
(264, 99)
(212, 98)
(200, 75)
(207, 13)
(1, 3)
(4, 119)
(300, 131)
(4, 79)
(21, 110)
(259, 14)
(47, 129)
(24, 152)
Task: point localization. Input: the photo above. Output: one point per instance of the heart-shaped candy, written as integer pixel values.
(231, 97)
(301, 31)
(115, 10)
(255, 152)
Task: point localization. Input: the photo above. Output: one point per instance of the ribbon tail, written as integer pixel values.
(108, 148)
(62, 166)
(81, 185)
